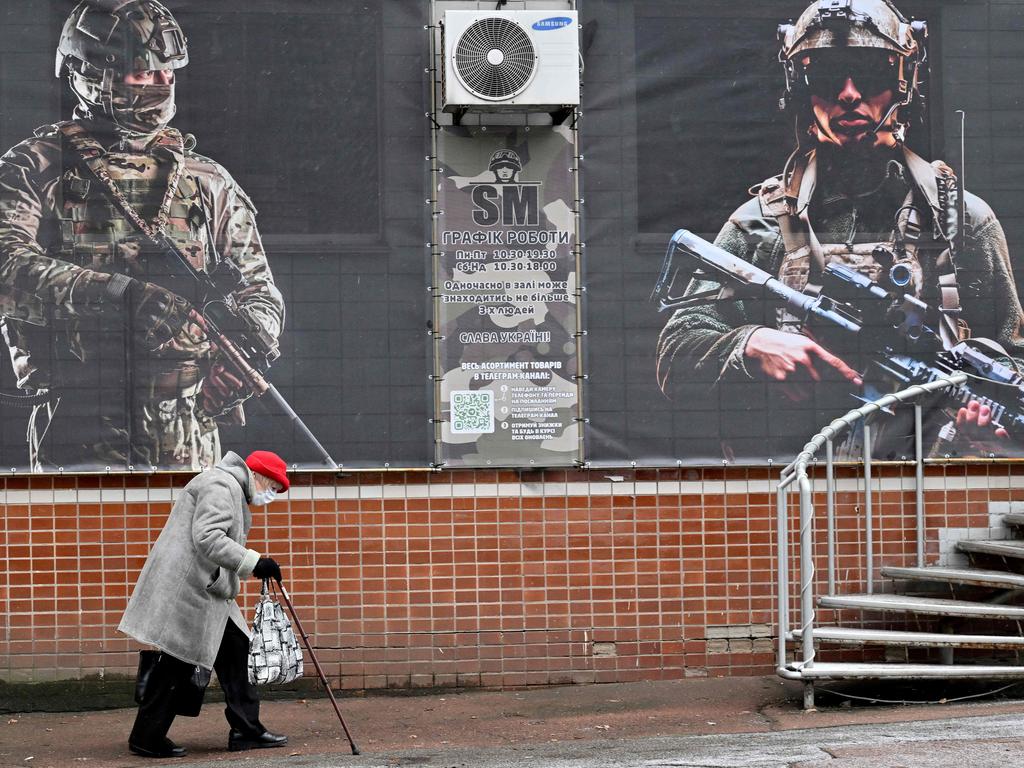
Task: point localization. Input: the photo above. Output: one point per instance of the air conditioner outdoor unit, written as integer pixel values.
(510, 61)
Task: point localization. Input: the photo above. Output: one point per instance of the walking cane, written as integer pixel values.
(319, 671)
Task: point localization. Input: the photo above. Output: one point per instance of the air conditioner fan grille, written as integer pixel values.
(494, 58)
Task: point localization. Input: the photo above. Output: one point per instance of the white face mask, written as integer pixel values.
(262, 498)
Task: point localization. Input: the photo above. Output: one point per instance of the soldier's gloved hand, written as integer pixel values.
(222, 390)
(156, 314)
(267, 568)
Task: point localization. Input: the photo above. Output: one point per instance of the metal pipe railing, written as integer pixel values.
(796, 473)
(869, 514)
(830, 515)
(806, 569)
(919, 484)
(782, 551)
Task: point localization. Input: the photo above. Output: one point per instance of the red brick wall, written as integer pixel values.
(468, 578)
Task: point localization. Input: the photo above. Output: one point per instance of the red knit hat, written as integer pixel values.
(269, 465)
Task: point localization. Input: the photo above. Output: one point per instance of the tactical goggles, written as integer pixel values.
(872, 72)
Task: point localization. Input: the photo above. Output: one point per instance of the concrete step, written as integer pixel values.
(841, 671)
(1009, 549)
(973, 576)
(1014, 518)
(928, 605)
(855, 636)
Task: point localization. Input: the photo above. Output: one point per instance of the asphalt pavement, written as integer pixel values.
(714, 723)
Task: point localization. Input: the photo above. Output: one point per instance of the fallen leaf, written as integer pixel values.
(294, 754)
(712, 722)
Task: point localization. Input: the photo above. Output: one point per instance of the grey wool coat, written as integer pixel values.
(186, 592)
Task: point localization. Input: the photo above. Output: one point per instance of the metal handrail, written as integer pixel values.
(796, 473)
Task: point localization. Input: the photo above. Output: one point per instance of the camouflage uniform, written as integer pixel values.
(701, 349)
(116, 365)
(55, 222)
(806, 218)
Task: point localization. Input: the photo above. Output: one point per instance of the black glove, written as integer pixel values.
(156, 314)
(267, 568)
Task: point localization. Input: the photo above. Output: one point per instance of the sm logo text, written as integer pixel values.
(510, 205)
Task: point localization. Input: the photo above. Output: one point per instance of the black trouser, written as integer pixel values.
(157, 710)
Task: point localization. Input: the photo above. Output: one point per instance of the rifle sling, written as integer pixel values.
(952, 328)
(799, 241)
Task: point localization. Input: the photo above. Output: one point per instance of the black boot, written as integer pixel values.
(157, 709)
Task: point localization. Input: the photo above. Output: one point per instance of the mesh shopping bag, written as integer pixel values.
(274, 653)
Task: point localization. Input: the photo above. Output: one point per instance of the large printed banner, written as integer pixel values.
(202, 247)
(209, 191)
(506, 294)
(831, 254)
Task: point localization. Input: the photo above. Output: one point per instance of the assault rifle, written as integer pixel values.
(898, 332)
(242, 340)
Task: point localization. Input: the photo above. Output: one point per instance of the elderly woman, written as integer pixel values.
(184, 601)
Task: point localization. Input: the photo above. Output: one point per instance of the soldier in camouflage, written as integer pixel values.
(115, 368)
(851, 193)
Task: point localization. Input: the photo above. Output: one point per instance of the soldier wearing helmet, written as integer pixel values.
(112, 366)
(852, 193)
(102, 47)
(505, 164)
(870, 38)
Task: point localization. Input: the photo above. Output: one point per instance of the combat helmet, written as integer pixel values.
(836, 24)
(505, 157)
(103, 40)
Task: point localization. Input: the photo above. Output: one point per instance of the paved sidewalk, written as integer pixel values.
(537, 725)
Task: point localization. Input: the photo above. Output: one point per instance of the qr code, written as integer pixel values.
(472, 412)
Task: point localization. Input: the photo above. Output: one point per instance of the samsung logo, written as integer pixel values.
(555, 22)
